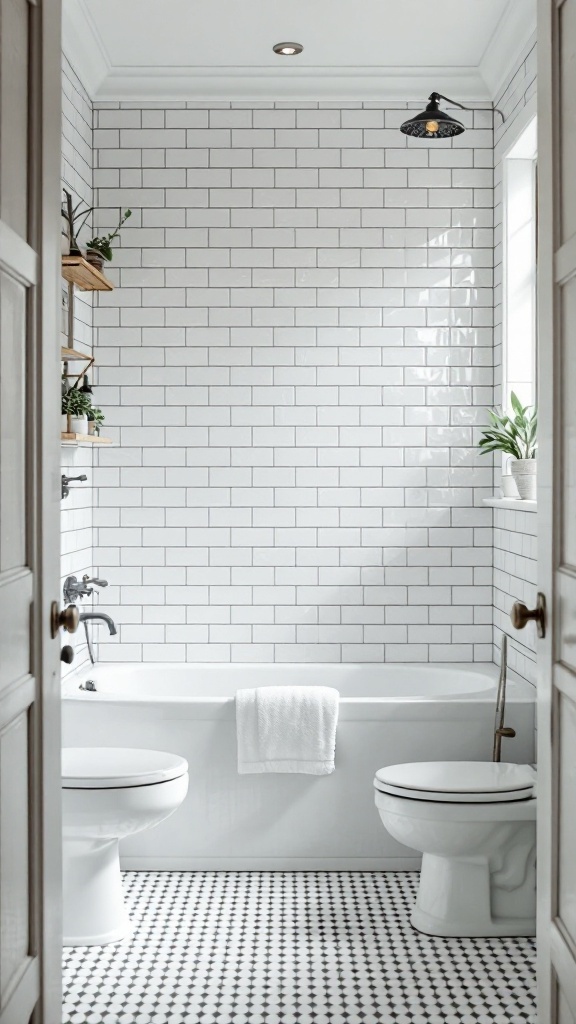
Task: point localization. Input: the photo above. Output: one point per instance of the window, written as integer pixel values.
(520, 239)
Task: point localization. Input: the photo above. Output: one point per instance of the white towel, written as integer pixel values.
(287, 729)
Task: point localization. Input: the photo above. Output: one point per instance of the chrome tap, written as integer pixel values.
(87, 617)
(74, 589)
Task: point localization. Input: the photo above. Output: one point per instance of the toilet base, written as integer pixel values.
(465, 897)
(93, 902)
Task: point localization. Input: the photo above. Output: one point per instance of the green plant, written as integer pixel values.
(96, 416)
(515, 435)
(72, 215)
(101, 243)
(76, 403)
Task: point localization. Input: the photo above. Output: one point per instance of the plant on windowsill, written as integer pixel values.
(95, 420)
(99, 248)
(76, 405)
(515, 435)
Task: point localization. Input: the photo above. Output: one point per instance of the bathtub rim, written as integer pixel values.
(521, 692)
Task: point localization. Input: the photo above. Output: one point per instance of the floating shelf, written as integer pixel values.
(76, 270)
(84, 439)
(71, 355)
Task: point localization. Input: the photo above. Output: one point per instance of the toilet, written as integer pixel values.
(475, 824)
(109, 793)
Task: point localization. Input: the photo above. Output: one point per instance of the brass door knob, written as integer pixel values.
(68, 618)
(520, 615)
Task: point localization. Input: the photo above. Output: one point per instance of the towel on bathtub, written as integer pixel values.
(287, 729)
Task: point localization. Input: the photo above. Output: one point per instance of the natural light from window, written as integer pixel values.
(520, 268)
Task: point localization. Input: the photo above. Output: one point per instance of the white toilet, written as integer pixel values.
(475, 824)
(109, 793)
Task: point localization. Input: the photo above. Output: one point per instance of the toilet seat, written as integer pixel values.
(458, 781)
(118, 767)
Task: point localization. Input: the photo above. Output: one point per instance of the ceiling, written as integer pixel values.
(364, 49)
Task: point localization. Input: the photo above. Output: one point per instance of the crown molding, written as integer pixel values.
(82, 45)
(241, 84)
(507, 45)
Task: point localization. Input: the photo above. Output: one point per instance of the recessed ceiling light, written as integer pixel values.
(288, 49)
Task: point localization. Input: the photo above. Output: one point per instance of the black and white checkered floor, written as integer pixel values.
(291, 948)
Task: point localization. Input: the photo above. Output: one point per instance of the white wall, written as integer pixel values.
(294, 365)
(76, 517)
(515, 565)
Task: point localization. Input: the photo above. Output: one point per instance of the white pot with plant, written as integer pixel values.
(515, 435)
(77, 405)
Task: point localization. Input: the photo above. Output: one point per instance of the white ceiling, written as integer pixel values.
(352, 48)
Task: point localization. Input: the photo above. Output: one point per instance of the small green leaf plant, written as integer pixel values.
(102, 243)
(514, 435)
(96, 416)
(76, 403)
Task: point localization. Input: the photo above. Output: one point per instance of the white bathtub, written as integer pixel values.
(388, 714)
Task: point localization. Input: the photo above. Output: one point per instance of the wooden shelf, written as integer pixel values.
(84, 439)
(71, 355)
(76, 270)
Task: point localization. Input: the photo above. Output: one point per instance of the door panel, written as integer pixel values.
(567, 136)
(567, 299)
(30, 883)
(12, 422)
(564, 1013)
(566, 909)
(557, 511)
(14, 76)
(14, 879)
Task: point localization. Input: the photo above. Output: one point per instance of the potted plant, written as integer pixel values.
(73, 214)
(99, 248)
(64, 410)
(515, 435)
(95, 420)
(76, 405)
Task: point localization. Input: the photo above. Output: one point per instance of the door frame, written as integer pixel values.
(44, 490)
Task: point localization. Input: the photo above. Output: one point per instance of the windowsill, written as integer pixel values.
(517, 504)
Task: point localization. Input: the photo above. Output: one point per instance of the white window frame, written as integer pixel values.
(519, 336)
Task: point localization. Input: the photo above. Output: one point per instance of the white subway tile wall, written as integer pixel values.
(295, 364)
(515, 579)
(514, 533)
(76, 515)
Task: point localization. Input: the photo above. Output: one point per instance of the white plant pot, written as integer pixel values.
(79, 424)
(64, 423)
(524, 473)
(508, 485)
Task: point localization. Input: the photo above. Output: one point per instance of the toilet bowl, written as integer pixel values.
(109, 793)
(475, 824)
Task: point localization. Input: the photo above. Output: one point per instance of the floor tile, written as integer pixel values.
(291, 948)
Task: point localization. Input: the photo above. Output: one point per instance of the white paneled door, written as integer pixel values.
(29, 504)
(557, 510)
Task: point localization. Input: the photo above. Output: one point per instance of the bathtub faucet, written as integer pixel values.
(85, 617)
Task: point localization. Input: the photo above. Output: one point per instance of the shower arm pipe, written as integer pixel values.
(494, 110)
(500, 729)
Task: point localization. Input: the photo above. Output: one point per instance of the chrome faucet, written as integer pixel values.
(86, 617)
(500, 729)
(73, 588)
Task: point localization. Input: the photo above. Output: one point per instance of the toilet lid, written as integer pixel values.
(118, 767)
(457, 781)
